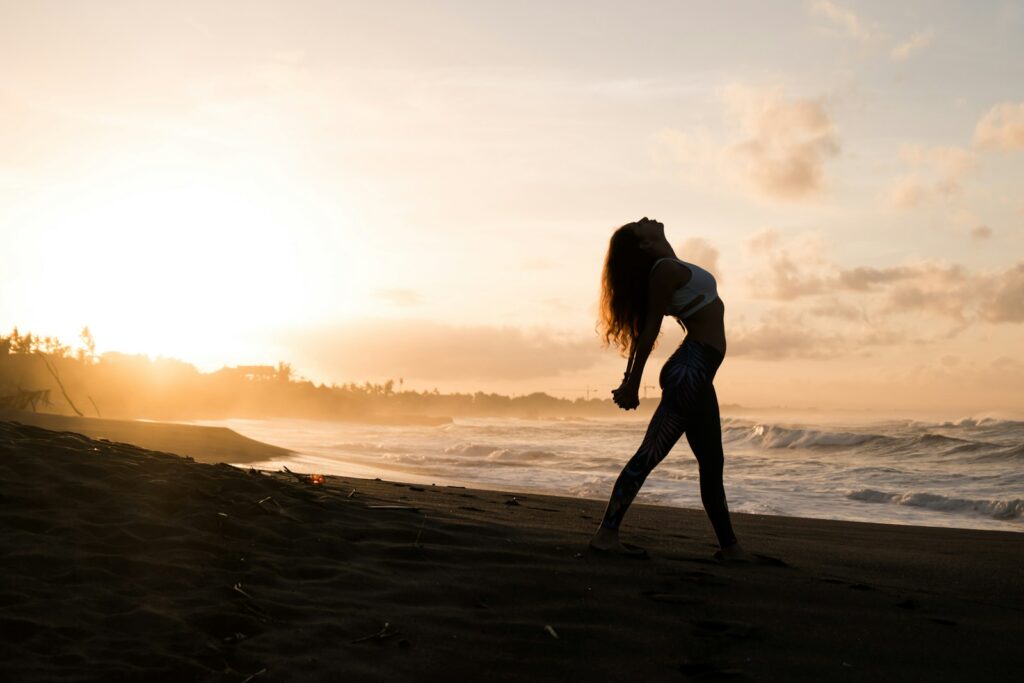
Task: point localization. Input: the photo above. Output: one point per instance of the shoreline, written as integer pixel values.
(124, 562)
(412, 478)
(222, 443)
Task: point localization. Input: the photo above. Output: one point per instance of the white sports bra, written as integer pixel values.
(701, 284)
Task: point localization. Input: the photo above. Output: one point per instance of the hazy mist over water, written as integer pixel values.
(964, 473)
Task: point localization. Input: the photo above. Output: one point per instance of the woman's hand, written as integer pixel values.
(627, 396)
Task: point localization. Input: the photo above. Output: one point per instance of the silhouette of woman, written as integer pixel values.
(642, 282)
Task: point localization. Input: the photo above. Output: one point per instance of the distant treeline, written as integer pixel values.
(41, 373)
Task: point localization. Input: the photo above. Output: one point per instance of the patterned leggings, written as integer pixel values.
(688, 405)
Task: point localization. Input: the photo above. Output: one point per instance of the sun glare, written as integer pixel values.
(187, 266)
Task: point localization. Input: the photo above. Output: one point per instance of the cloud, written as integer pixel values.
(951, 291)
(918, 41)
(785, 274)
(1002, 127)
(772, 144)
(934, 171)
(843, 19)
(404, 298)
(981, 232)
(907, 191)
(865, 278)
(431, 351)
(949, 162)
(782, 333)
(800, 270)
(698, 250)
(834, 307)
(772, 339)
(785, 142)
(1007, 303)
(943, 290)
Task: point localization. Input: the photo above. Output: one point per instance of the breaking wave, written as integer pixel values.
(996, 509)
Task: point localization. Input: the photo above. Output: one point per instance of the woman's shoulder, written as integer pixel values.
(672, 276)
(679, 265)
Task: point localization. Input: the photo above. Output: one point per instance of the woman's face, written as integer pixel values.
(649, 231)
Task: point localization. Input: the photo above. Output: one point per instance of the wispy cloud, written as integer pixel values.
(933, 171)
(844, 20)
(907, 191)
(981, 232)
(918, 41)
(839, 20)
(1002, 127)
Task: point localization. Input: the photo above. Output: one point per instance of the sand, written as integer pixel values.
(126, 564)
(204, 444)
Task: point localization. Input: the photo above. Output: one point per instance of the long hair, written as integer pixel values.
(624, 283)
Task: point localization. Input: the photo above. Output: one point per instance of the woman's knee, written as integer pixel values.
(710, 462)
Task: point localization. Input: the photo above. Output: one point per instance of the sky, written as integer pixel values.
(426, 190)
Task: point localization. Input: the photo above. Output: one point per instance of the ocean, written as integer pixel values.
(966, 473)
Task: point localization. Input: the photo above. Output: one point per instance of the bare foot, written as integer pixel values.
(607, 541)
(734, 553)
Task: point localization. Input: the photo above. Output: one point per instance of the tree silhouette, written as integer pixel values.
(136, 386)
(88, 350)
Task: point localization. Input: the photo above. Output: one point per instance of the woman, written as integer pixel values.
(642, 282)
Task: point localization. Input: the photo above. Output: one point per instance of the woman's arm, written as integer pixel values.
(662, 284)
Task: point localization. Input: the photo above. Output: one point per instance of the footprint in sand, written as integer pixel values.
(770, 561)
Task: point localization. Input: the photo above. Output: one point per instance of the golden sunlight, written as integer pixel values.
(163, 259)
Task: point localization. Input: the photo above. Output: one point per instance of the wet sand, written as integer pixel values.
(126, 564)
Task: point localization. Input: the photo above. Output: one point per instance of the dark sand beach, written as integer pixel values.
(121, 563)
(201, 443)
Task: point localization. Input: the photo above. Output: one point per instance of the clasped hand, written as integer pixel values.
(627, 396)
